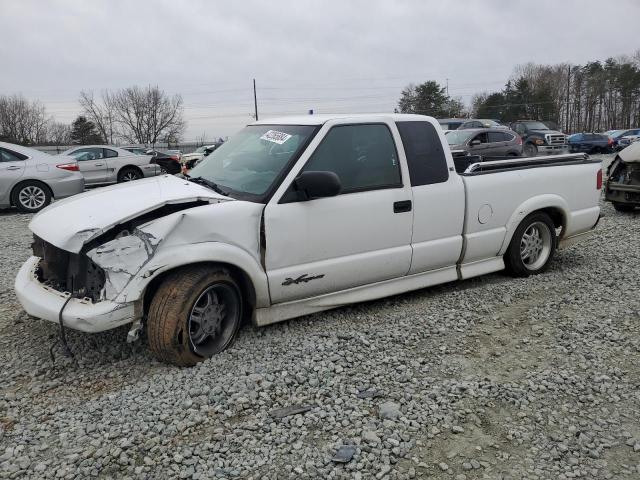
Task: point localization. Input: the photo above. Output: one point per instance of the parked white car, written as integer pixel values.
(30, 179)
(294, 216)
(104, 164)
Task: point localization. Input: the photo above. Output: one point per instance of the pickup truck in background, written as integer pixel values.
(294, 216)
(537, 138)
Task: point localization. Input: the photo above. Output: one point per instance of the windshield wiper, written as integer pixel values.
(207, 183)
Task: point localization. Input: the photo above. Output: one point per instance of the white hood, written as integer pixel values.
(631, 154)
(70, 223)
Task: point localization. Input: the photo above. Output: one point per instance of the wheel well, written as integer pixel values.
(22, 182)
(239, 275)
(557, 217)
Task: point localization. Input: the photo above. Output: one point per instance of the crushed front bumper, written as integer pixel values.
(44, 302)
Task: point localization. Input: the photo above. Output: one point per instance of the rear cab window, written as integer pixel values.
(425, 156)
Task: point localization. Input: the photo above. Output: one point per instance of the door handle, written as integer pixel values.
(98, 164)
(402, 206)
(14, 168)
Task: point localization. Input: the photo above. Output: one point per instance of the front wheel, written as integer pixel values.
(195, 313)
(532, 246)
(530, 150)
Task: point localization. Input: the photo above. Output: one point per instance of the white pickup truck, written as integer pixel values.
(294, 216)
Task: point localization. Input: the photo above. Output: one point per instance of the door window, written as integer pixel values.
(11, 156)
(425, 157)
(363, 156)
(108, 153)
(87, 154)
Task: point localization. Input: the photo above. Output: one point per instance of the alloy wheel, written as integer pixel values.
(32, 197)
(535, 245)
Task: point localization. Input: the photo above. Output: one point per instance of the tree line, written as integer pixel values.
(141, 115)
(593, 97)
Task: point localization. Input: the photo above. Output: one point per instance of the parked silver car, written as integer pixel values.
(488, 142)
(30, 179)
(104, 164)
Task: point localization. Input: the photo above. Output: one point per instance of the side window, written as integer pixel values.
(520, 129)
(495, 137)
(363, 156)
(108, 153)
(425, 156)
(87, 154)
(482, 137)
(11, 156)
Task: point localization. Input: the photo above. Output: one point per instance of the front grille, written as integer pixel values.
(68, 272)
(556, 139)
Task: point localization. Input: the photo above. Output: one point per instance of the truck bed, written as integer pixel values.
(500, 193)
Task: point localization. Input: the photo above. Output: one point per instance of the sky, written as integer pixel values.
(332, 56)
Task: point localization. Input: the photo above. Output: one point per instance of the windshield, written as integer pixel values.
(458, 137)
(619, 133)
(250, 161)
(536, 126)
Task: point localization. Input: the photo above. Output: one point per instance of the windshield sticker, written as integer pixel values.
(275, 137)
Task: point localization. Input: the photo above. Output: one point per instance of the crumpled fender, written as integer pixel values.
(227, 233)
(177, 256)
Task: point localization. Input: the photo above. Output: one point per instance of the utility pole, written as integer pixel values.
(566, 130)
(447, 87)
(255, 99)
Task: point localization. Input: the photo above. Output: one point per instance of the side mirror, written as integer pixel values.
(310, 185)
(474, 143)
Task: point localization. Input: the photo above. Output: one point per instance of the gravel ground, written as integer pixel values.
(488, 378)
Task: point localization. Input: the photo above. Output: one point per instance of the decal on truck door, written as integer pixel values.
(304, 278)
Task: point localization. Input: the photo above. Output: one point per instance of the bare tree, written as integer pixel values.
(58, 133)
(22, 121)
(147, 114)
(102, 114)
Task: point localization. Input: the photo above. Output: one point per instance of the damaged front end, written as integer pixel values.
(67, 272)
(106, 264)
(623, 185)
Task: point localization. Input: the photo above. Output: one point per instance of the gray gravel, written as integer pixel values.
(491, 378)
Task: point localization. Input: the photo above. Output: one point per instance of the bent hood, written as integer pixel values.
(70, 223)
(631, 154)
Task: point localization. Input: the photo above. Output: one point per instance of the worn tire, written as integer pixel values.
(22, 193)
(129, 174)
(172, 304)
(513, 261)
(624, 207)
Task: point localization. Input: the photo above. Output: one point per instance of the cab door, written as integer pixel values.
(358, 237)
(12, 165)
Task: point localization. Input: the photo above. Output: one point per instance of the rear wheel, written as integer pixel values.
(532, 246)
(624, 207)
(530, 150)
(195, 313)
(31, 196)
(128, 175)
